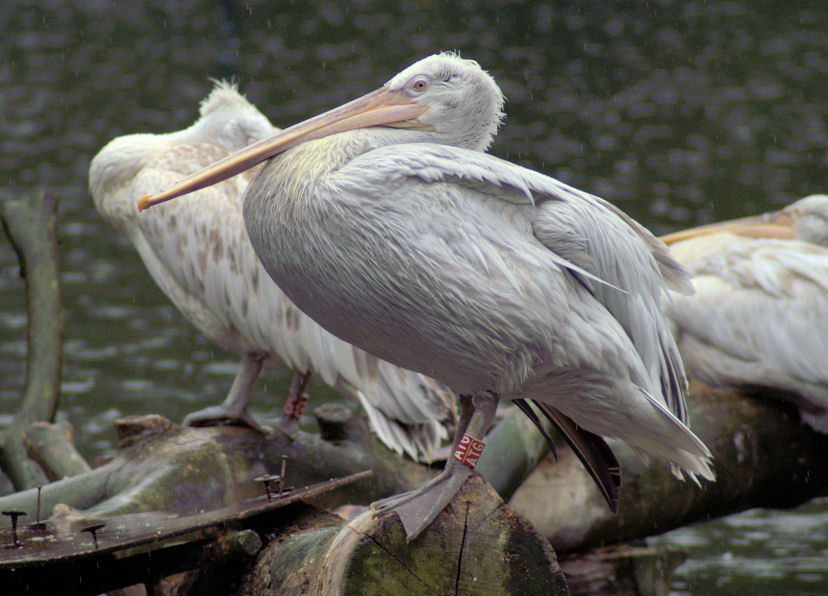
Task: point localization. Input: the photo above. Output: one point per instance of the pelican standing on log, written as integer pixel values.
(759, 317)
(386, 222)
(198, 252)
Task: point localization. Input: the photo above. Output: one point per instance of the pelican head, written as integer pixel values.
(439, 99)
(226, 119)
(809, 219)
(806, 220)
(229, 120)
(464, 104)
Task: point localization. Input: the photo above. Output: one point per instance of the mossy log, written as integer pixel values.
(764, 456)
(69, 555)
(161, 466)
(164, 467)
(477, 545)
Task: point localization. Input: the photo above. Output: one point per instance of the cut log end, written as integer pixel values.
(477, 545)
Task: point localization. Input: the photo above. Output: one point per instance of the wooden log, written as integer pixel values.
(477, 545)
(764, 456)
(72, 554)
(31, 226)
(52, 447)
(161, 466)
(226, 574)
(219, 571)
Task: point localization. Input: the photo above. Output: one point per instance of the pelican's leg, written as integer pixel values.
(234, 408)
(418, 507)
(288, 423)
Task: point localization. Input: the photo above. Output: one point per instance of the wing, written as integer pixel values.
(176, 244)
(197, 250)
(512, 183)
(468, 268)
(759, 317)
(606, 246)
(621, 263)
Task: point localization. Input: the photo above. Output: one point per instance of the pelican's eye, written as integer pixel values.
(419, 83)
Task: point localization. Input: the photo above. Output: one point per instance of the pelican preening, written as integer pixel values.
(199, 254)
(386, 222)
(759, 317)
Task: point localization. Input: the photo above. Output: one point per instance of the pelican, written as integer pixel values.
(198, 252)
(386, 222)
(759, 317)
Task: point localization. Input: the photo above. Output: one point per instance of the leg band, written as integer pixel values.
(295, 404)
(469, 451)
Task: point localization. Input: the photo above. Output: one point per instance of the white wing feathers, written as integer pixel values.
(759, 316)
(586, 235)
(508, 182)
(597, 245)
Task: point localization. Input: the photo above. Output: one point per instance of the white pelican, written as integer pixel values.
(759, 317)
(395, 231)
(199, 254)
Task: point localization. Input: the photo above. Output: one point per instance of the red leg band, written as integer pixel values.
(469, 451)
(295, 404)
(299, 408)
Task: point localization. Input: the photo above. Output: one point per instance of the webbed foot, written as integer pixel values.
(419, 507)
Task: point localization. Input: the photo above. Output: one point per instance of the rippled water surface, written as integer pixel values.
(679, 112)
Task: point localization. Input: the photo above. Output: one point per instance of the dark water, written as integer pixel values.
(679, 112)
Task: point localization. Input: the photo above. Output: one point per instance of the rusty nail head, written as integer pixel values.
(92, 530)
(14, 515)
(266, 480)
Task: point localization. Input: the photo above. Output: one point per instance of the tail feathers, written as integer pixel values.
(591, 449)
(676, 443)
(421, 442)
(524, 407)
(693, 467)
(689, 465)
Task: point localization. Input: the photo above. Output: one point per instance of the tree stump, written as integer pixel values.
(477, 545)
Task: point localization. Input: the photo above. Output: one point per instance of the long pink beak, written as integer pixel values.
(767, 225)
(378, 108)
